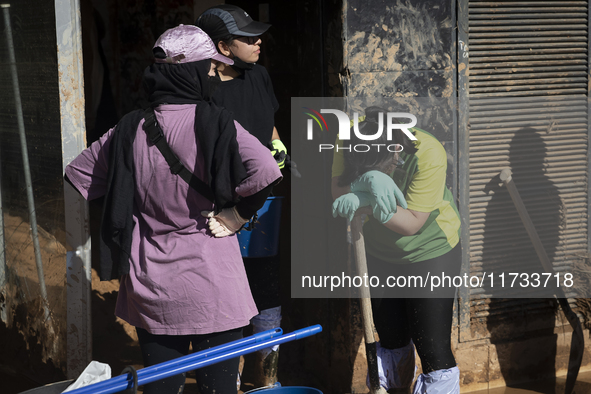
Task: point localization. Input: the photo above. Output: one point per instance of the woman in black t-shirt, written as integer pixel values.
(247, 91)
(245, 88)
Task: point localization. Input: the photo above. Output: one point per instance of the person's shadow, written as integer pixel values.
(520, 321)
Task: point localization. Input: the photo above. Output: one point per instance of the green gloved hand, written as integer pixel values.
(347, 204)
(279, 152)
(386, 195)
(380, 215)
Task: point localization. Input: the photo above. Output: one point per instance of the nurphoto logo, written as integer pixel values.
(392, 123)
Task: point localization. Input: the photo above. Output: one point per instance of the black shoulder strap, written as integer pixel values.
(156, 136)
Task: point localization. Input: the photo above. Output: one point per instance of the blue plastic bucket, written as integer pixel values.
(263, 240)
(286, 390)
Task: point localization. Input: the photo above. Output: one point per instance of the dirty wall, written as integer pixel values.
(32, 331)
(404, 51)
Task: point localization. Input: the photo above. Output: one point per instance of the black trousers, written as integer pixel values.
(426, 320)
(263, 277)
(215, 379)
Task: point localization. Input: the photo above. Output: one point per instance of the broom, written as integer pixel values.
(366, 313)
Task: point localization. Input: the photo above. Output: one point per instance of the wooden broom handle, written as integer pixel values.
(361, 266)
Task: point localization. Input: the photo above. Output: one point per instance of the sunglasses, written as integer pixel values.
(247, 40)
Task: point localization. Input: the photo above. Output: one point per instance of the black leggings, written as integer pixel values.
(427, 321)
(215, 379)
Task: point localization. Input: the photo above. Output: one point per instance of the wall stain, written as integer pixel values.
(400, 50)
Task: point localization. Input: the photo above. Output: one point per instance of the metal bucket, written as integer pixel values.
(53, 388)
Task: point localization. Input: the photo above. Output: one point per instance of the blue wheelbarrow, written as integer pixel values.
(133, 379)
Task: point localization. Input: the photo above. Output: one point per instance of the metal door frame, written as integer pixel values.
(78, 271)
(463, 165)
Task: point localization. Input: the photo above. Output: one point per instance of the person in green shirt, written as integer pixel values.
(413, 229)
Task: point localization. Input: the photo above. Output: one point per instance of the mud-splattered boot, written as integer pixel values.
(266, 360)
(266, 368)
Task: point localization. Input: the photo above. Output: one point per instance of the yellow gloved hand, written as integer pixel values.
(279, 152)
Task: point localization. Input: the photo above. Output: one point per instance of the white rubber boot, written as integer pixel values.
(396, 367)
(442, 381)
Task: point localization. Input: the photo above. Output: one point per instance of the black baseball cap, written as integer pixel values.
(224, 19)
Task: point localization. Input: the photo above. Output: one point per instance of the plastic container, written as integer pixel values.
(263, 240)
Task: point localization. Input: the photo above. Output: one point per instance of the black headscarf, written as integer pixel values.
(216, 132)
(189, 83)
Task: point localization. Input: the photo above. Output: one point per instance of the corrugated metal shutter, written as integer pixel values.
(527, 92)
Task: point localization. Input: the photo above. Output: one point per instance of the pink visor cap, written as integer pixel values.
(186, 44)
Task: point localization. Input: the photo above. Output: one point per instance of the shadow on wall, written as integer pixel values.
(507, 248)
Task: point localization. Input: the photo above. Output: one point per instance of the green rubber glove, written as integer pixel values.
(380, 215)
(347, 204)
(383, 190)
(279, 152)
